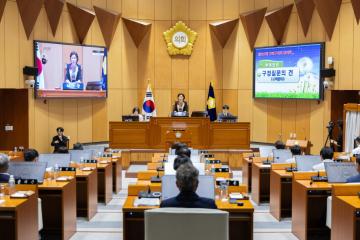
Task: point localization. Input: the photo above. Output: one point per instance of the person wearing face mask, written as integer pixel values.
(60, 140)
(181, 105)
(73, 71)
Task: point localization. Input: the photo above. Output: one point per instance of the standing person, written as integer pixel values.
(60, 140)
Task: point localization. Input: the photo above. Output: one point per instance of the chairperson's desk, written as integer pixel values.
(203, 134)
(19, 218)
(240, 219)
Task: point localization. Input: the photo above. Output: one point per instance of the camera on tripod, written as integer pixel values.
(330, 126)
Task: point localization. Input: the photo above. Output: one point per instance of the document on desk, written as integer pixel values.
(146, 202)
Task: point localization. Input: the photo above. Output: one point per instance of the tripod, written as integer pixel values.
(329, 137)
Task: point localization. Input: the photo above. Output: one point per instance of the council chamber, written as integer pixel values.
(179, 119)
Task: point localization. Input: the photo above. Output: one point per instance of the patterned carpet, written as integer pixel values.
(107, 223)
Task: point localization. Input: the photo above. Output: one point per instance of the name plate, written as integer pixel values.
(213, 161)
(221, 169)
(107, 155)
(230, 182)
(90, 161)
(26, 181)
(68, 169)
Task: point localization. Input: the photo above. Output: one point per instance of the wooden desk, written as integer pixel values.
(59, 209)
(19, 218)
(345, 218)
(105, 182)
(240, 220)
(86, 193)
(204, 135)
(309, 210)
(280, 193)
(246, 174)
(260, 185)
(117, 174)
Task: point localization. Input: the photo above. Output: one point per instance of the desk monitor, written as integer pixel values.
(305, 163)
(266, 151)
(169, 168)
(206, 187)
(339, 172)
(96, 149)
(194, 159)
(199, 114)
(281, 155)
(61, 159)
(130, 118)
(76, 155)
(28, 170)
(228, 119)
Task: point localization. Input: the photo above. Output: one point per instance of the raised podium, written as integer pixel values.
(198, 132)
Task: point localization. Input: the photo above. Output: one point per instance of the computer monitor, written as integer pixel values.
(339, 172)
(305, 163)
(199, 114)
(28, 170)
(130, 118)
(96, 149)
(266, 151)
(62, 160)
(169, 168)
(281, 155)
(206, 187)
(228, 119)
(76, 155)
(193, 158)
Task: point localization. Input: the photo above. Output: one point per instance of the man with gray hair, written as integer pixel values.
(4, 166)
(187, 181)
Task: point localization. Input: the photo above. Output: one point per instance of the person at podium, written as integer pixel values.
(136, 112)
(225, 113)
(73, 71)
(181, 107)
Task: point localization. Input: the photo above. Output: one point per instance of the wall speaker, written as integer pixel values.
(30, 71)
(327, 73)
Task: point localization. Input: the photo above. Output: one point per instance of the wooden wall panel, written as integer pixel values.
(41, 134)
(12, 24)
(99, 120)
(146, 9)
(231, 9)
(259, 124)
(162, 9)
(180, 72)
(84, 120)
(197, 99)
(2, 54)
(356, 52)
(197, 10)
(70, 120)
(214, 9)
(163, 102)
(245, 103)
(230, 97)
(115, 105)
(129, 61)
(346, 24)
(274, 121)
(302, 119)
(130, 8)
(162, 59)
(288, 117)
(56, 119)
(146, 64)
(180, 10)
(197, 67)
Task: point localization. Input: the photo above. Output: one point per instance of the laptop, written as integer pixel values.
(339, 172)
(169, 168)
(305, 163)
(281, 155)
(28, 170)
(206, 187)
(76, 155)
(62, 160)
(266, 152)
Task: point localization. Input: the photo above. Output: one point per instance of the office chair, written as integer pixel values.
(186, 223)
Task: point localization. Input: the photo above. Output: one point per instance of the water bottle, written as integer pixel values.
(56, 171)
(15, 149)
(2, 192)
(223, 190)
(82, 162)
(11, 184)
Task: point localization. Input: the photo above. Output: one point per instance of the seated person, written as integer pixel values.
(78, 146)
(225, 113)
(327, 155)
(187, 181)
(180, 160)
(178, 145)
(296, 151)
(62, 149)
(31, 155)
(4, 166)
(184, 151)
(356, 150)
(355, 179)
(279, 144)
(136, 112)
(181, 105)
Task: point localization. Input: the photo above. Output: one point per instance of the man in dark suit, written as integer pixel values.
(59, 141)
(187, 181)
(4, 166)
(225, 113)
(355, 179)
